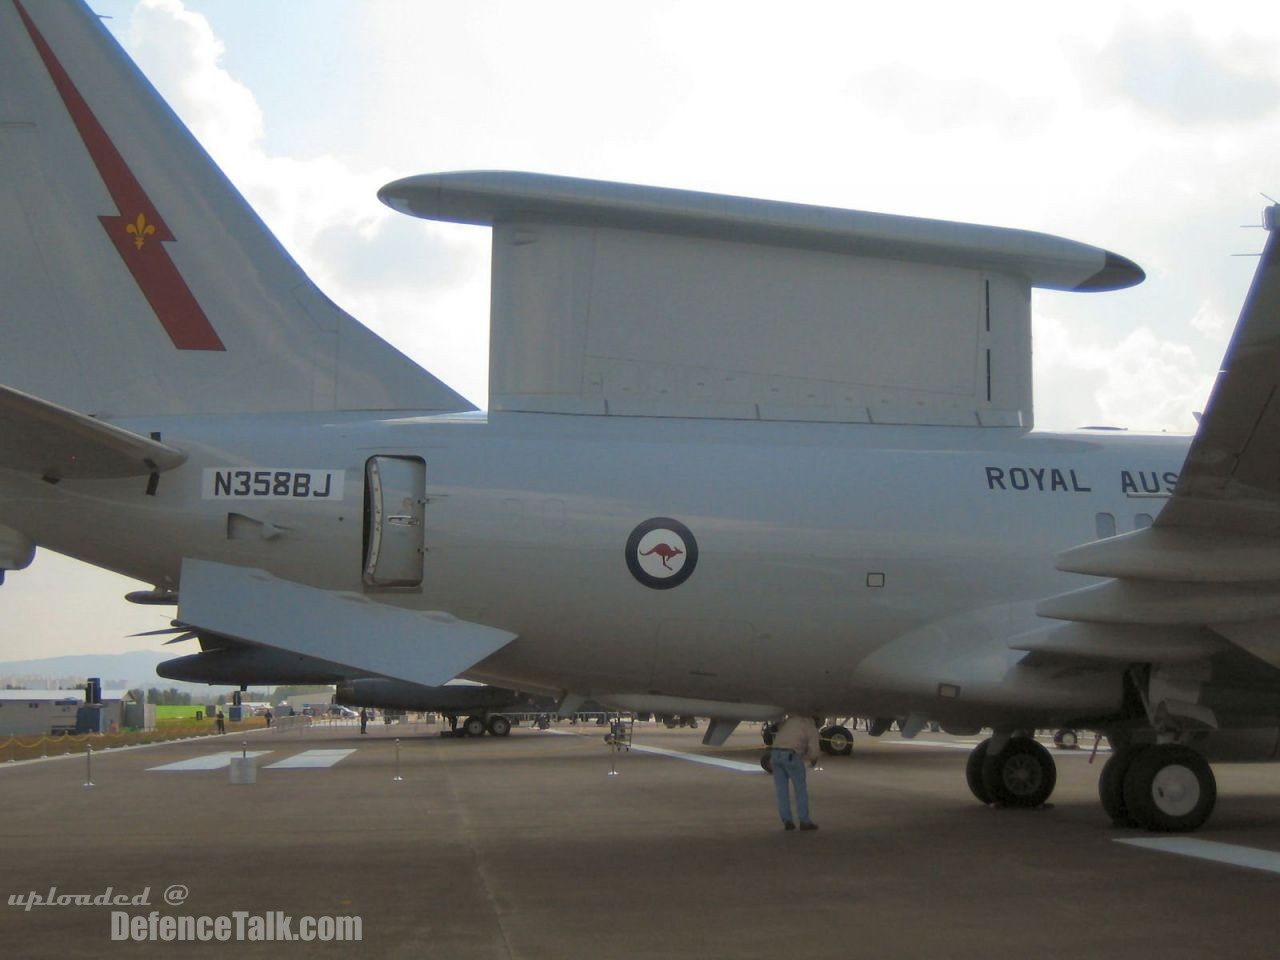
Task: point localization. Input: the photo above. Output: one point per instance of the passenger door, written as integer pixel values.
(394, 514)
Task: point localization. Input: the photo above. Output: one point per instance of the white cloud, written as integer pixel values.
(1167, 69)
(1211, 322)
(1143, 382)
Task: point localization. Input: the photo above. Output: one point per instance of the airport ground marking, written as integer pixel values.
(1229, 853)
(311, 760)
(735, 765)
(108, 751)
(210, 761)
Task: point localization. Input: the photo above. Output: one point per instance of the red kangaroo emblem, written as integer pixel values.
(664, 553)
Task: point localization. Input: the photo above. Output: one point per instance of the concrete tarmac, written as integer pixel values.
(525, 847)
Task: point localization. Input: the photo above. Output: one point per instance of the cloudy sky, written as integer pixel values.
(1148, 129)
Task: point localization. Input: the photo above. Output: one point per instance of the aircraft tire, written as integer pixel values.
(1023, 774)
(879, 726)
(1111, 785)
(1066, 739)
(973, 771)
(473, 727)
(837, 741)
(498, 725)
(1169, 788)
(767, 733)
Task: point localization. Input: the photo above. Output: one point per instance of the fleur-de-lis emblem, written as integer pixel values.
(140, 230)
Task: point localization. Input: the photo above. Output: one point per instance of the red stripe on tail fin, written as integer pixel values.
(137, 231)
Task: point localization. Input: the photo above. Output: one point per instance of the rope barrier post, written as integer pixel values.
(397, 776)
(614, 728)
(88, 765)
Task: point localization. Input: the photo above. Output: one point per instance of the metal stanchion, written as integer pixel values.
(88, 765)
(397, 776)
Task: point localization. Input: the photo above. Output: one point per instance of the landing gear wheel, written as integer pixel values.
(1111, 785)
(879, 726)
(768, 732)
(837, 741)
(473, 727)
(1021, 775)
(1169, 788)
(973, 771)
(499, 726)
(1066, 739)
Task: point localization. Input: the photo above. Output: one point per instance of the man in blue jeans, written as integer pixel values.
(794, 745)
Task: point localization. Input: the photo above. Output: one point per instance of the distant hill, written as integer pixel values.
(127, 670)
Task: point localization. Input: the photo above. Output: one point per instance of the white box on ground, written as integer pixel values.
(243, 770)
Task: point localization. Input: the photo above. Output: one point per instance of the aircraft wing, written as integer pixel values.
(1232, 475)
(1209, 566)
(342, 628)
(43, 438)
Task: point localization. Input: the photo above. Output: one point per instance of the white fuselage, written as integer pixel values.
(856, 567)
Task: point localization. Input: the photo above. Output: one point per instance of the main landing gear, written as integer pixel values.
(1161, 787)
(1164, 787)
(1011, 772)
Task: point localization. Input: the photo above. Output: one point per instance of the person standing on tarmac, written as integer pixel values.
(794, 745)
(364, 719)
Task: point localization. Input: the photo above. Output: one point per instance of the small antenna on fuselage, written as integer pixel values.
(1271, 214)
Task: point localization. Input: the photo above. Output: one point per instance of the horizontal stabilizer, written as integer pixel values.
(342, 628)
(43, 438)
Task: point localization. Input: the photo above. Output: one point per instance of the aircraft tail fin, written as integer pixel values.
(136, 279)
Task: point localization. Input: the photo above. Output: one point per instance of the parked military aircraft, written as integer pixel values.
(740, 457)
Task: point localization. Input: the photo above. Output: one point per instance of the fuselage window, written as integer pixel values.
(1105, 524)
(1141, 521)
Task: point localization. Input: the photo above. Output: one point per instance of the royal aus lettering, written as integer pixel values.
(1040, 479)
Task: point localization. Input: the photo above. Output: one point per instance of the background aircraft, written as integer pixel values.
(740, 457)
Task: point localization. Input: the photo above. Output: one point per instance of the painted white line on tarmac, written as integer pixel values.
(1228, 853)
(310, 760)
(211, 761)
(736, 765)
